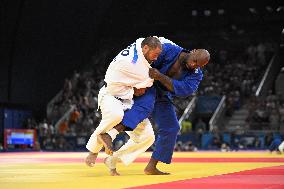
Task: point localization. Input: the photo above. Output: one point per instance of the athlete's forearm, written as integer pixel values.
(166, 81)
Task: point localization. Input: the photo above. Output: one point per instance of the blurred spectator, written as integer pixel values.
(200, 126)
(186, 127)
(268, 139)
(50, 130)
(279, 84)
(189, 146)
(281, 119)
(216, 143)
(225, 147)
(178, 146)
(63, 127)
(74, 116)
(61, 143)
(43, 127)
(256, 143)
(274, 120)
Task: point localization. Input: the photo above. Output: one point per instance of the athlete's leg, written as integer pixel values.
(141, 109)
(168, 128)
(112, 114)
(140, 140)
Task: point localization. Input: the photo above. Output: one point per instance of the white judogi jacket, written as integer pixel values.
(127, 70)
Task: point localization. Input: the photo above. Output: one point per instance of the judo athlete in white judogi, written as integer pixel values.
(127, 75)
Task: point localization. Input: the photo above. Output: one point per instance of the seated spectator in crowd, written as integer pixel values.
(190, 147)
(186, 127)
(63, 127)
(256, 143)
(200, 126)
(281, 114)
(178, 146)
(215, 144)
(225, 147)
(185, 146)
(74, 116)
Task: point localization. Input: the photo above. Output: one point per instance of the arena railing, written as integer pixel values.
(218, 113)
(65, 116)
(269, 76)
(50, 105)
(191, 105)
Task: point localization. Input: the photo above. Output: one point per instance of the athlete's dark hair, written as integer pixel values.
(152, 42)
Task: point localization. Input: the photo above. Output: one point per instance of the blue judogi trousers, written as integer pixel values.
(274, 144)
(163, 113)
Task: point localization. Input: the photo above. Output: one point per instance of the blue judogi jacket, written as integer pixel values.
(186, 85)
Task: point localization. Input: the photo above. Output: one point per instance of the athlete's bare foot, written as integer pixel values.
(151, 168)
(154, 171)
(110, 162)
(91, 159)
(106, 140)
(113, 172)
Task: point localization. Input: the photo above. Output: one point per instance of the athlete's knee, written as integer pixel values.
(148, 140)
(145, 109)
(117, 115)
(176, 128)
(173, 130)
(151, 106)
(144, 104)
(151, 138)
(150, 135)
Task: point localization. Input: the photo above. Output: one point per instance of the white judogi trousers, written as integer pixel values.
(141, 138)
(112, 114)
(281, 147)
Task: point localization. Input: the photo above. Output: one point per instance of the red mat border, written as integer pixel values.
(271, 178)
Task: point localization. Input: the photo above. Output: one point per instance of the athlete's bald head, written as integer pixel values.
(197, 58)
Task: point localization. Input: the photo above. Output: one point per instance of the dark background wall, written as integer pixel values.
(43, 42)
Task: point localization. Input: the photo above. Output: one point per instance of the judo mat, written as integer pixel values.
(194, 170)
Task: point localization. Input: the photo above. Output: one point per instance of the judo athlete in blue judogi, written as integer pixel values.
(176, 73)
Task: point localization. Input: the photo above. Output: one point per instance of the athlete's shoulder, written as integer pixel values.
(139, 40)
(164, 41)
(168, 44)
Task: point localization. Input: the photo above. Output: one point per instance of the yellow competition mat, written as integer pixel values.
(66, 170)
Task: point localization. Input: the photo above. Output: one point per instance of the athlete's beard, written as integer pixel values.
(147, 58)
(184, 63)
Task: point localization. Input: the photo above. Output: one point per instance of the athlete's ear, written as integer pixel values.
(145, 49)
